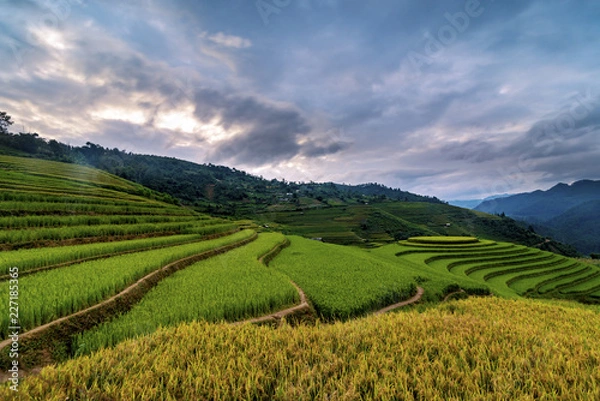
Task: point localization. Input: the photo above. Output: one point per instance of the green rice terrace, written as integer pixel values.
(506, 269)
(98, 261)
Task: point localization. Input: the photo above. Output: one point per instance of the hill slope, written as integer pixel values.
(388, 221)
(344, 214)
(578, 226)
(568, 213)
(46, 203)
(210, 188)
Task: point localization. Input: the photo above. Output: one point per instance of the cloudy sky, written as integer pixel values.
(456, 99)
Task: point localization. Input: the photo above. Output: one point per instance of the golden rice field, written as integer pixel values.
(475, 349)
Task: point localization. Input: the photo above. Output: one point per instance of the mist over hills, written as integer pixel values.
(473, 203)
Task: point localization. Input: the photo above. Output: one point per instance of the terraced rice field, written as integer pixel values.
(45, 203)
(509, 270)
(76, 238)
(101, 260)
(228, 287)
(59, 292)
(343, 282)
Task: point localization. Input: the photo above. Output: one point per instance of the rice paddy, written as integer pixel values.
(78, 236)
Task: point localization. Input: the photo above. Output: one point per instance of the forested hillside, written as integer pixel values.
(208, 187)
(363, 214)
(568, 213)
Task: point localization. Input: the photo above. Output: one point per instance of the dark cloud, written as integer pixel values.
(316, 150)
(270, 133)
(497, 98)
(474, 151)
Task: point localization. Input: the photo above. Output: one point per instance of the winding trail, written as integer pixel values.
(447, 297)
(277, 316)
(415, 298)
(281, 314)
(149, 281)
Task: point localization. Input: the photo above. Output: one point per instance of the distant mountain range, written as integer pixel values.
(568, 213)
(473, 203)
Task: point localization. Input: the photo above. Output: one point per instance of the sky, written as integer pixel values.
(454, 99)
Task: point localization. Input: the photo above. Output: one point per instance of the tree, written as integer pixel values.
(5, 122)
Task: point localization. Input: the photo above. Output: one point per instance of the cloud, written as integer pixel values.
(473, 151)
(327, 82)
(316, 150)
(235, 42)
(265, 132)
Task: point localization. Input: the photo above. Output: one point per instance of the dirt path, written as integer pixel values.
(412, 300)
(174, 266)
(541, 243)
(281, 314)
(276, 316)
(447, 297)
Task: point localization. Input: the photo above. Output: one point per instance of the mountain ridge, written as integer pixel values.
(339, 213)
(567, 212)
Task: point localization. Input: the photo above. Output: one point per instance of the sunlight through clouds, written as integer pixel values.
(211, 82)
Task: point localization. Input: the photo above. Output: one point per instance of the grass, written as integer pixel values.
(231, 287)
(55, 293)
(343, 282)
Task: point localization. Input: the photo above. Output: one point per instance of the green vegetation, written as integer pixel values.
(27, 259)
(443, 240)
(343, 282)
(230, 287)
(59, 292)
(508, 270)
(476, 349)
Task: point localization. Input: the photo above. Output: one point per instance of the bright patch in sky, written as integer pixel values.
(181, 120)
(224, 82)
(128, 115)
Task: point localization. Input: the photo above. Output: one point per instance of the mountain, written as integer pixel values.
(206, 187)
(578, 226)
(363, 214)
(473, 203)
(570, 213)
